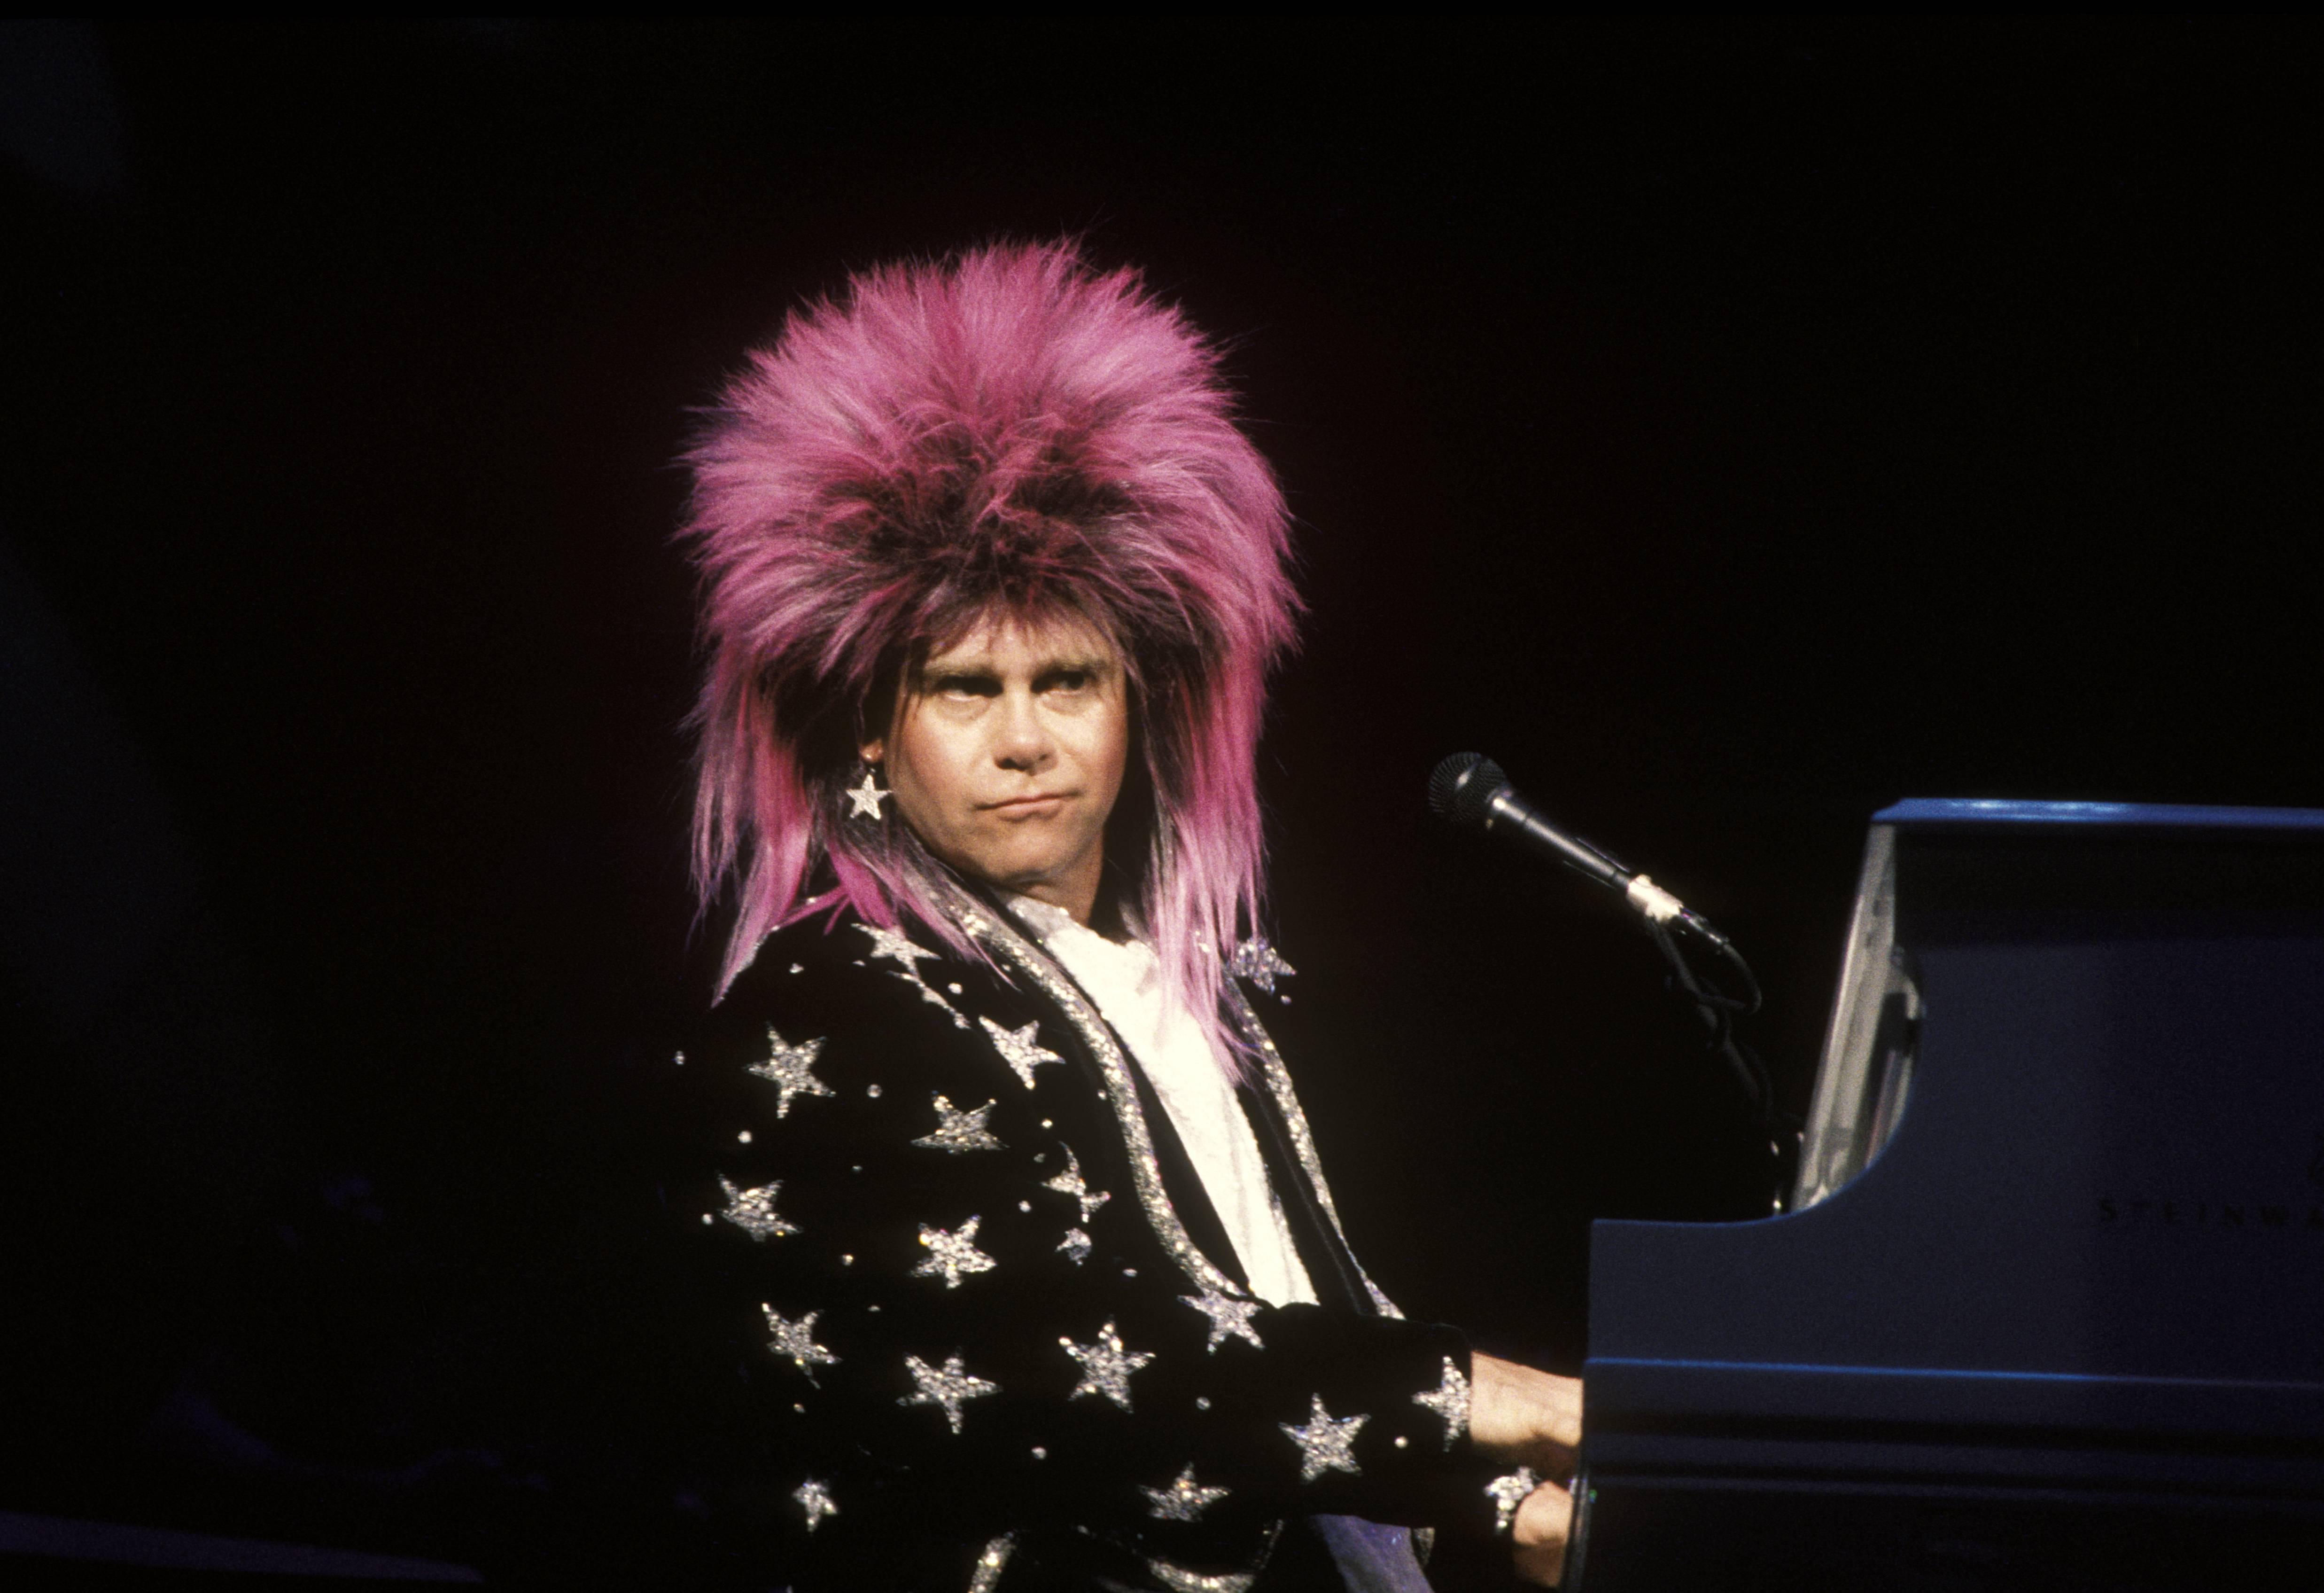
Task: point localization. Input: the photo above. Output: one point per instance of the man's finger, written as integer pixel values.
(1544, 1518)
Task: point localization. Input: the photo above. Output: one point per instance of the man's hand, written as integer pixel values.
(1545, 1517)
(1533, 1419)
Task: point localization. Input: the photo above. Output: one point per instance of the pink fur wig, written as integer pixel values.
(1005, 432)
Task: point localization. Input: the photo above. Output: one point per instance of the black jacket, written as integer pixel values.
(963, 1303)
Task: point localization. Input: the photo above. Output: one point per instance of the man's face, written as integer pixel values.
(1006, 755)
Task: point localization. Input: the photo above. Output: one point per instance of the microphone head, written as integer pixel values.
(1461, 789)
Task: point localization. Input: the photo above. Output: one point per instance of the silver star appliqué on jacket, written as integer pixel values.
(1326, 1442)
(952, 1254)
(1230, 1318)
(754, 1211)
(1106, 1366)
(898, 948)
(958, 1131)
(1260, 963)
(1016, 1048)
(1069, 1182)
(948, 1386)
(1450, 1402)
(790, 1069)
(1183, 1500)
(1507, 1493)
(991, 1563)
(816, 1500)
(796, 1340)
(1076, 1245)
(1177, 1578)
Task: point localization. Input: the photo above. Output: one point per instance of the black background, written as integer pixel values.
(1731, 428)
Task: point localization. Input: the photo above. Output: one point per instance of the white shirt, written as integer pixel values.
(1171, 1050)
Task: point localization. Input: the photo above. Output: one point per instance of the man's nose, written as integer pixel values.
(1024, 742)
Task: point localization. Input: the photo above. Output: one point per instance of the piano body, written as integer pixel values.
(2047, 1306)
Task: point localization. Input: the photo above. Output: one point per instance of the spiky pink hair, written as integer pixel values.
(1005, 432)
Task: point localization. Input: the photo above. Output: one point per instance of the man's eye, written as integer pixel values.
(967, 686)
(1067, 680)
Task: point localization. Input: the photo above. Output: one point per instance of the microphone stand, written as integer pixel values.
(1718, 1012)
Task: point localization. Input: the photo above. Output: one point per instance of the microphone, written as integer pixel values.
(1469, 789)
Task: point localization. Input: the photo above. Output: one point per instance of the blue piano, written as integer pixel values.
(2045, 1308)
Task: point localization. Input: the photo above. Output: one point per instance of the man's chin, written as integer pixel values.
(1024, 875)
(1024, 881)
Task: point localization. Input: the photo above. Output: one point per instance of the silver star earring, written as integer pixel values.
(865, 799)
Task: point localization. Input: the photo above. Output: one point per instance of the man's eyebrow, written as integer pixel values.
(982, 666)
(1057, 663)
(939, 669)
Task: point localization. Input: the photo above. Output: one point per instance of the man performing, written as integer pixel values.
(1020, 1257)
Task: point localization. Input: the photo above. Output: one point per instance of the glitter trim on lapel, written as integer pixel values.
(1121, 1088)
(1303, 1139)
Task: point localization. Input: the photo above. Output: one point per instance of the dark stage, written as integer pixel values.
(1731, 428)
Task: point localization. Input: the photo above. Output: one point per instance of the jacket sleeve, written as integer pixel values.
(925, 1304)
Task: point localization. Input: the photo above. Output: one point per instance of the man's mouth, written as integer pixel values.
(1036, 802)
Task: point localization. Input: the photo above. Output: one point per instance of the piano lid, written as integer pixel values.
(2141, 815)
(1866, 1073)
(2049, 1308)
